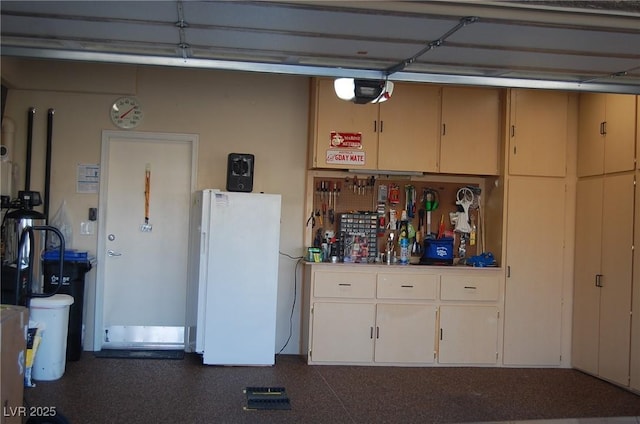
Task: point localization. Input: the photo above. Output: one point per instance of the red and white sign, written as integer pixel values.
(345, 157)
(346, 140)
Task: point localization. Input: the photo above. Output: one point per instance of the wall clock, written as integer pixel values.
(126, 112)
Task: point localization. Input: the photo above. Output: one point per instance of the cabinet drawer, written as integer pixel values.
(469, 287)
(345, 284)
(407, 286)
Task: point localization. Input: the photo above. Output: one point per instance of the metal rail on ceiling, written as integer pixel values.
(306, 70)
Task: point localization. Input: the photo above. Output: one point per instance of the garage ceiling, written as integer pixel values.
(580, 45)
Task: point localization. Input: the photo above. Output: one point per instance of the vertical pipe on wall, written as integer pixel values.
(47, 171)
(27, 169)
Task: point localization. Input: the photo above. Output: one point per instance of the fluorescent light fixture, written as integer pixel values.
(362, 91)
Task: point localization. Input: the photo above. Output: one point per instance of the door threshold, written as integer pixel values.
(143, 337)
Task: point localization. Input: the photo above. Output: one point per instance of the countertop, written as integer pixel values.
(400, 266)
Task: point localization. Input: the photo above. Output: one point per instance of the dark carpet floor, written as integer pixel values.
(106, 390)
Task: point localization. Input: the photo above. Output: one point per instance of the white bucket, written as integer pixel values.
(52, 313)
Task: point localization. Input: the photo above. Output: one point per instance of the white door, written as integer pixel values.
(145, 190)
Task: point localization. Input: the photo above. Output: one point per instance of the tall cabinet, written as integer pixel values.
(635, 323)
(604, 257)
(535, 230)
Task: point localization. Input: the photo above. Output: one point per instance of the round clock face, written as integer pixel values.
(126, 112)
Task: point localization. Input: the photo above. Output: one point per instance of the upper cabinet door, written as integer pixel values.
(409, 129)
(590, 134)
(470, 133)
(330, 114)
(538, 132)
(619, 126)
(606, 133)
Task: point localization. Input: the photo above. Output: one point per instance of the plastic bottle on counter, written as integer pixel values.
(404, 250)
(403, 239)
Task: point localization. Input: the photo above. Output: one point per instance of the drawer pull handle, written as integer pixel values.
(377, 332)
(371, 333)
(407, 286)
(470, 287)
(345, 284)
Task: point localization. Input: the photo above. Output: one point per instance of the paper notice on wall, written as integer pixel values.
(345, 157)
(88, 178)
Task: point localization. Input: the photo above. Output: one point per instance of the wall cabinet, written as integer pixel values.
(606, 133)
(603, 276)
(470, 133)
(418, 129)
(344, 324)
(401, 134)
(538, 125)
(534, 257)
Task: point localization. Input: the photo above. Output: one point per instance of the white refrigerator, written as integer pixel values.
(233, 277)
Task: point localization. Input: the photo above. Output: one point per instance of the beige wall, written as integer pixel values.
(230, 111)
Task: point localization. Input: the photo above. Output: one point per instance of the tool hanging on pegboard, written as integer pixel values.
(431, 202)
(410, 200)
(394, 194)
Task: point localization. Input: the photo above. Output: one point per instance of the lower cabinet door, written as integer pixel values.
(405, 333)
(342, 332)
(468, 335)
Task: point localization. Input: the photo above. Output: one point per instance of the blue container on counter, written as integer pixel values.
(438, 251)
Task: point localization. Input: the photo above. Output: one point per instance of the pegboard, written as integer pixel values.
(333, 196)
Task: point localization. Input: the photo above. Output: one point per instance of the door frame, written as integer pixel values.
(107, 136)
